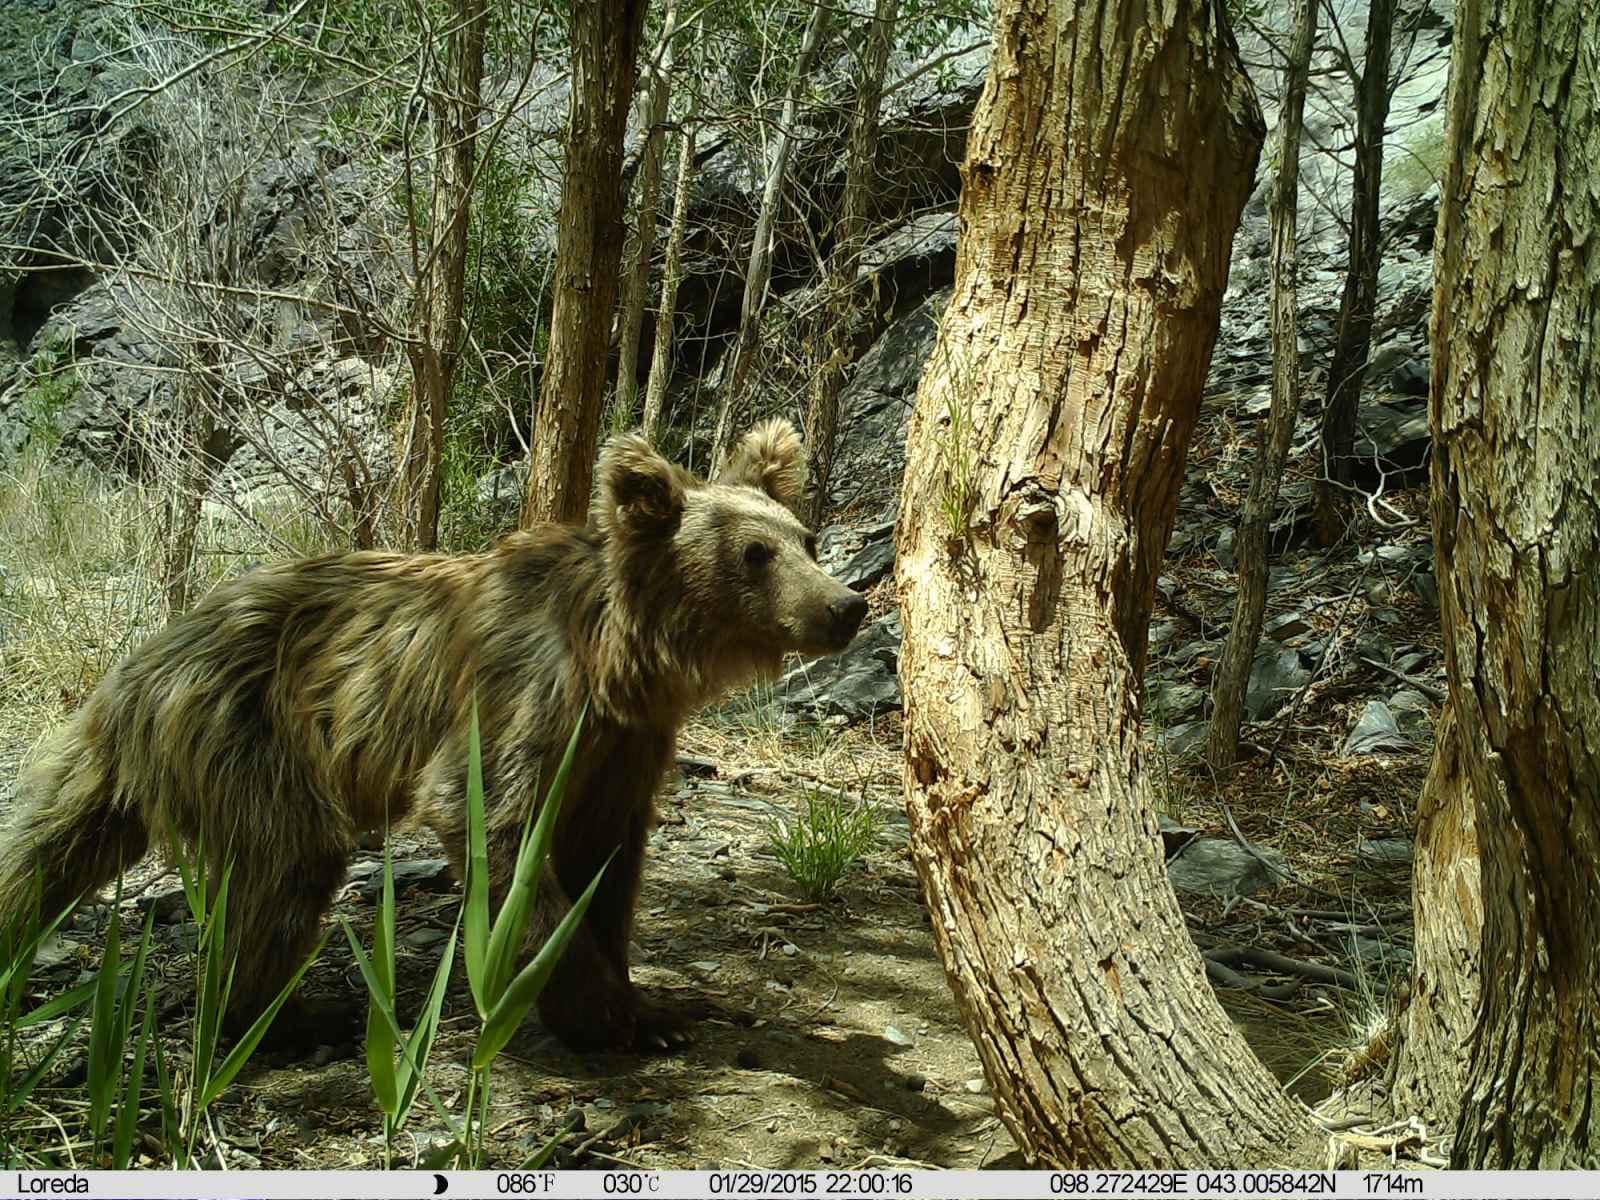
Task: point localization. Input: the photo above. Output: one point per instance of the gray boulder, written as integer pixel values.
(857, 684)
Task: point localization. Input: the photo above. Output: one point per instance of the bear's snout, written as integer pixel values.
(845, 615)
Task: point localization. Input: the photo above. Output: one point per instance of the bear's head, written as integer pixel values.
(728, 565)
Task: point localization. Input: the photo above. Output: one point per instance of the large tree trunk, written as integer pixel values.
(1349, 366)
(441, 278)
(1516, 426)
(736, 379)
(589, 235)
(832, 339)
(1434, 1028)
(1250, 546)
(646, 212)
(1109, 159)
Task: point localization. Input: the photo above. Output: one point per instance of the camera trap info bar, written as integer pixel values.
(787, 1185)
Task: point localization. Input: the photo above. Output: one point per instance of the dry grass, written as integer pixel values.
(80, 578)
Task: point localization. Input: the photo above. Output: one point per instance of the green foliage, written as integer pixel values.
(958, 459)
(51, 386)
(820, 845)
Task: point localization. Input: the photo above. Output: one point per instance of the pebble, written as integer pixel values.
(897, 1036)
(575, 1119)
(975, 1086)
(706, 966)
(790, 949)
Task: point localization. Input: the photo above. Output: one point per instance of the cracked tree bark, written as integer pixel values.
(1516, 513)
(1110, 157)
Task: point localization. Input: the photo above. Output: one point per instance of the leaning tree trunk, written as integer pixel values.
(1349, 366)
(1516, 428)
(1109, 160)
(655, 395)
(759, 273)
(646, 212)
(589, 235)
(1250, 546)
(441, 278)
(833, 340)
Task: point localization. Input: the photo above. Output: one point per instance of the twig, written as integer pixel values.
(1281, 871)
(1273, 961)
(1437, 695)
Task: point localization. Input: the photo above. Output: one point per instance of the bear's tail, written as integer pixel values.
(69, 834)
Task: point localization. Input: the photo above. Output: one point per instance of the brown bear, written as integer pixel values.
(301, 705)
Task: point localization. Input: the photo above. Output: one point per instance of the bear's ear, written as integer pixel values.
(771, 459)
(639, 491)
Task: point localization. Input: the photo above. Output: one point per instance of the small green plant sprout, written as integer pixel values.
(502, 993)
(958, 458)
(396, 1082)
(819, 846)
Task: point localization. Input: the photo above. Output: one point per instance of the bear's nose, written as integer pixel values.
(847, 611)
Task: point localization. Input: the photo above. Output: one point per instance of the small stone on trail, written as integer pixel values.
(706, 967)
(790, 949)
(897, 1036)
(975, 1086)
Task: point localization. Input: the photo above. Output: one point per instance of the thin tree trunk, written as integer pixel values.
(198, 464)
(832, 338)
(1516, 507)
(647, 211)
(1109, 160)
(1434, 1029)
(1356, 308)
(441, 284)
(589, 234)
(655, 398)
(1250, 545)
(759, 273)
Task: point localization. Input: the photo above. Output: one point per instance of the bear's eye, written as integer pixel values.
(758, 554)
(811, 548)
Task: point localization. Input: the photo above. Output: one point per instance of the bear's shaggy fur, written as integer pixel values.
(301, 705)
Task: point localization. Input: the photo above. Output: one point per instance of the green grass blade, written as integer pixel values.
(127, 1123)
(105, 1049)
(511, 923)
(523, 991)
(477, 882)
(171, 1130)
(364, 965)
(380, 1041)
(59, 1006)
(213, 998)
(420, 1043)
(20, 965)
(23, 1090)
(246, 1045)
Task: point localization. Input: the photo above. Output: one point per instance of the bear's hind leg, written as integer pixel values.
(275, 909)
